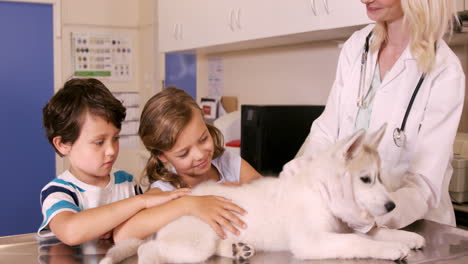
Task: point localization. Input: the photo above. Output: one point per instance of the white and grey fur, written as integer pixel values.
(314, 214)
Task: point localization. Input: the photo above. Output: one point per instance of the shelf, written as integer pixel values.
(457, 39)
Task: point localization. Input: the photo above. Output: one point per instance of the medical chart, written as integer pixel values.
(106, 56)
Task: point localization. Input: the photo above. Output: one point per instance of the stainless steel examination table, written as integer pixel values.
(444, 244)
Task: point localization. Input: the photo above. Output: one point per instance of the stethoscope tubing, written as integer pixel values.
(400, 132)
(410, 104)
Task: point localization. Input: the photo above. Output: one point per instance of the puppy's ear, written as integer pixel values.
(373, 139)
(352, 145)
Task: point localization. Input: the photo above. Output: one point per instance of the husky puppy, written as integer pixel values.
(300, 213)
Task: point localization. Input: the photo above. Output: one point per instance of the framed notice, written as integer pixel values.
(209, 108)
(105, 56)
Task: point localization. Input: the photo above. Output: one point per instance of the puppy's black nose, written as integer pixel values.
(390, 206)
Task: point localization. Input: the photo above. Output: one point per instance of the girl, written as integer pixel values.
(185, 151)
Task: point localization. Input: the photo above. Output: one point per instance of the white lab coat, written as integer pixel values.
(418, 174)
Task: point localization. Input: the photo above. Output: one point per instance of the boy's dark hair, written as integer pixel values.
(63, 114)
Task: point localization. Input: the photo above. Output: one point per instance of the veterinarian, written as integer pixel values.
(401, 72)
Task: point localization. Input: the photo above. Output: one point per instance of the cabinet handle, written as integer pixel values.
(178, 34)
(238, 19)
(181, 32)
(231, 20)
(325, 3)
(175, 31)
(312, 6)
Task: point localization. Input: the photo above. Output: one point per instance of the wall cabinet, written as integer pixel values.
(461, 4)
(189, 25)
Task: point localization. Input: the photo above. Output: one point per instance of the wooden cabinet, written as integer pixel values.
(188, 24)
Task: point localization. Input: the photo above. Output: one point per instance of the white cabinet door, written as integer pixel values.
(343, 13)
(225, 23)
(189, 24)
(297, 16)
(177, 18)
(287, 17)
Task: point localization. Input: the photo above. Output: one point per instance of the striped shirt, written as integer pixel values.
(67, 193)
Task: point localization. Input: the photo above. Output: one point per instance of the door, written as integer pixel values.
(27, 161)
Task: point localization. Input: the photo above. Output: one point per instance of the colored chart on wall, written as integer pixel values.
(105, 56)
(181, 72)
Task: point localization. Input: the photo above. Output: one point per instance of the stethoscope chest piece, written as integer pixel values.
(399, 137)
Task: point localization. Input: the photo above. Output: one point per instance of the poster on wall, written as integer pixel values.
(181, 72)
(129, 131)
(106, 56)
(215, 77)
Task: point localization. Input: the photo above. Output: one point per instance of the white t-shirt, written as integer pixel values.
(67, 193)
(228, 165)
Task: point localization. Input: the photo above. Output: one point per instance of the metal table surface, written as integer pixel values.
(444, 244)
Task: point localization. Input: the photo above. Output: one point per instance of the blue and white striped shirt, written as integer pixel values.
(67, 193)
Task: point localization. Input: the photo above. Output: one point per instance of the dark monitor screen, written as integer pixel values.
(271, 135)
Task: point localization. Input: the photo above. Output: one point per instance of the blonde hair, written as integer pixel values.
(428, 21)
(163, 118)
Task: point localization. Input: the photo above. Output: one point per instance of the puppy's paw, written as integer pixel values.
(148, 253)
(242, 251)
(396, 251)
(106, 260)
(413, 240)
(417, 242)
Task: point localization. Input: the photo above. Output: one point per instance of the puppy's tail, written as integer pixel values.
(121, 251)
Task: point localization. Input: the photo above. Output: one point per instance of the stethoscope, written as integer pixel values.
(399, 137)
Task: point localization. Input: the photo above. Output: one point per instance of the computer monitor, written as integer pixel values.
(271, 135)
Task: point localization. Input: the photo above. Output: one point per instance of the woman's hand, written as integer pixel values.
(216, 211)
(155, 196)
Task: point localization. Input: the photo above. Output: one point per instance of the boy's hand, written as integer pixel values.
(154, 197)
(218, 212)
(107, 235)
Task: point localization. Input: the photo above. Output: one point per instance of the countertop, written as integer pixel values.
(444, 244)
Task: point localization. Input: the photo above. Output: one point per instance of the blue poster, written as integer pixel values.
(181, 72)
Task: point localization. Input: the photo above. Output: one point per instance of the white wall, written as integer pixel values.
(298, 74)
(135, 18)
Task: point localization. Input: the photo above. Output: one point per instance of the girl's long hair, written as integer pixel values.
(164, 116)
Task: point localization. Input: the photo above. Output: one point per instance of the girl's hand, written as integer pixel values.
(216, 211)
(231, 183)
(154, 197)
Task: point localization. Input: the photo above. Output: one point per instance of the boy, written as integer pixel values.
(82, 122)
